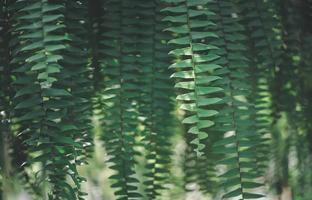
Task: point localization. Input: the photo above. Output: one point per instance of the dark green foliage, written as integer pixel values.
(242, 84)
(156, 100)
(201, 170)
(45, 98)
(194, 73)
(295, 33)
(78, 75)
(5, 95)
(240, 140)
(121, 93)
(265, 59)
(135, 58)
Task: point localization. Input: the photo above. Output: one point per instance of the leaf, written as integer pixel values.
(190, 120)
(28, 103)
(183, 74)
(232, 194)
(252, 196)
(208, 101)
(53, 92)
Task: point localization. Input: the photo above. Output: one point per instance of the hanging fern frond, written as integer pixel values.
(201, 170)
(77, 76)
(266, 54)
(189, 163)
(42, 99)
(120, 95)
(14, 150)
(156, 105)
(194, 69)
(206, 172)
(237, 145)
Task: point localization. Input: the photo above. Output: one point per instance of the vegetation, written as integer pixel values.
(180, 93)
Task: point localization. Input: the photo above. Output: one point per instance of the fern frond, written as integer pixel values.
(13, 146)
(118, 47)
(77, 76)
(41, 99)
(266, 57)
(206, 172)
(200, 170)
(189, 163)
(155, 106)
(95, 15)
(194, 69)
(237, 145)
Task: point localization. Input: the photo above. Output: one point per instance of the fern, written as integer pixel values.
(155, 105)
(200, 170)
(241, 72)
(234, 119)
(41, 98)
(77, 76)
(189, 163)
(120, 94)
(13, 147)
(266, 54)
(194, 73)
(207, 174)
